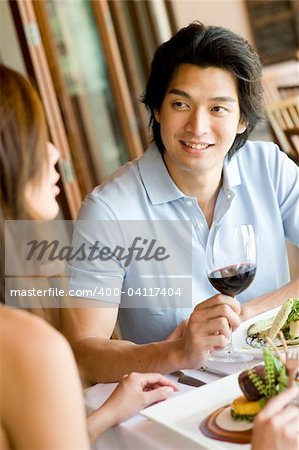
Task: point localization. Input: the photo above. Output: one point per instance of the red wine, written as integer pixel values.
(232, 280)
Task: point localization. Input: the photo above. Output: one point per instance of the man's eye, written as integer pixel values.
(219, 109)
(180, 105)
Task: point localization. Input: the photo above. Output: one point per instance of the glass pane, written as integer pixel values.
(82, 62)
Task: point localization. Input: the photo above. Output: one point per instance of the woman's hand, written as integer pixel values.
(276, 426)
(136, 391)
(133, 393)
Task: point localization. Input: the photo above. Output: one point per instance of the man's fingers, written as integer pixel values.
(215, 342)
(219, 299)
(218, 326)
(230, 315)
(220, 311)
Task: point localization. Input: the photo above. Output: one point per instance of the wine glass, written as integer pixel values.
(231, 267)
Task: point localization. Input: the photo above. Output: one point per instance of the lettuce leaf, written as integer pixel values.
(294, 314)
(242, 417)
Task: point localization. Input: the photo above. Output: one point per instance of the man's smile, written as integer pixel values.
(194, 147)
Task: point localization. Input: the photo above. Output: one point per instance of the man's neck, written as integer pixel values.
(204, 186)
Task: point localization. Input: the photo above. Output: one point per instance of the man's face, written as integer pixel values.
(199, 119)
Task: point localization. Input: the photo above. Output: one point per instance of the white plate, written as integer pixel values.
(240, 335)
(184, 413)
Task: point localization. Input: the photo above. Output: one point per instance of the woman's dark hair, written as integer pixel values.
(208, 46)
(23, 141)
(23, 156)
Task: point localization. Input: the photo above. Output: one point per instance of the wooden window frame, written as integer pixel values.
(120, 89)
(82, 163)
(35, 59)
(128, 60)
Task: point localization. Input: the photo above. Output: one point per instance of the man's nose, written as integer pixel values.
(198, 122)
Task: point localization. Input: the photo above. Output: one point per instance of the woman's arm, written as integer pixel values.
(42, 403)
(134, 392)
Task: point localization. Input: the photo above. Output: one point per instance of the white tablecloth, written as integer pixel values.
(141, 433)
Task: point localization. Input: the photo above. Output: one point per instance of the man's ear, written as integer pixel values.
(157, 115)
(242, 126)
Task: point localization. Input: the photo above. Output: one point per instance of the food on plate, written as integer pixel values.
(243, 409)
(286, 320)
(246, 385)
(224, 421)
(260, 329)
(233, 423)
(258, 384)
(287, 317)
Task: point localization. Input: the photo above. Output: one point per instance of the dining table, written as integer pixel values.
(143, 433)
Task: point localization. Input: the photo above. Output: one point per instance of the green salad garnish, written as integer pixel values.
(275, 379)
(294, 314)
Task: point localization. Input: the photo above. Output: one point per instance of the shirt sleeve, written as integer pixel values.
(285, 175)
(96, 272)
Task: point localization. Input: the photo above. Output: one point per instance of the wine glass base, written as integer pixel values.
(229, 357)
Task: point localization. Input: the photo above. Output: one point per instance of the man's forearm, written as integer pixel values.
(270, 300)
(106, 360)
(101, 359)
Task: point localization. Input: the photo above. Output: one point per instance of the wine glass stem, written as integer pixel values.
(229, 346)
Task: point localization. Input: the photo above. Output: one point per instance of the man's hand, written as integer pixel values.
(179, 331)
(89, 330)
(208, 328)
(247, 311)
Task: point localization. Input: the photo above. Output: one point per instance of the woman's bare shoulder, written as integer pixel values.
(40, 387)
(20, 327)
(27, 339)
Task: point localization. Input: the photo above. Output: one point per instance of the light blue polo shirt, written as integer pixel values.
(260, 186)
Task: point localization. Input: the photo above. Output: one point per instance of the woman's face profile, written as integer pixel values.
(40, 194)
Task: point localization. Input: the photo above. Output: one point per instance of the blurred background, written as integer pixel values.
(90, 60)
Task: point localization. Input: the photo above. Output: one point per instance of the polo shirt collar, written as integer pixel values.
(231, 174)
(158, 183)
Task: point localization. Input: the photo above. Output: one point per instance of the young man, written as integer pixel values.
(204, 95)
